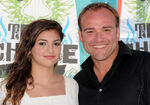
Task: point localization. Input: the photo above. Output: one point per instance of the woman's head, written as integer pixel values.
(30, 34)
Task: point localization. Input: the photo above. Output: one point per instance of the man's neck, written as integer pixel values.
(102, 67)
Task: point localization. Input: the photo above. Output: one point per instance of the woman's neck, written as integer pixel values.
(43, 74)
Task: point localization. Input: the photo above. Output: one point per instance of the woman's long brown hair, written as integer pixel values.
(20, 69)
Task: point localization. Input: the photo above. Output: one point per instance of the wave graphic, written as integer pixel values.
(65, 41)
(132, 40)
(3, 40)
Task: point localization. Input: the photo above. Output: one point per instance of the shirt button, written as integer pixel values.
(100, 90)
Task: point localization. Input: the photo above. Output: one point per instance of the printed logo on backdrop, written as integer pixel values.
(15, 14)
(135, 24)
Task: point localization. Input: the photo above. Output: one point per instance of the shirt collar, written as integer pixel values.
(123, 49)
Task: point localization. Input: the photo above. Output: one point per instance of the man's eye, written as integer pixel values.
(90, 32)
(107, 30)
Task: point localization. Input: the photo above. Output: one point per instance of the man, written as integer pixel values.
(113, 74)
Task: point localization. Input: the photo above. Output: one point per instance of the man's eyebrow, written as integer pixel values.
(107, 27)
(88, 29)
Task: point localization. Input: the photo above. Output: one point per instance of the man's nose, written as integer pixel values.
(99, 36)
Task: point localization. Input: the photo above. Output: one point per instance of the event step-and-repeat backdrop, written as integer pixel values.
(16, 14)
(135, 23)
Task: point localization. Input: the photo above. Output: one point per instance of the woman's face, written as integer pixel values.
(46, 50)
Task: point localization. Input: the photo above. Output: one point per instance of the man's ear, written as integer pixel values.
(118, 34)
(80, 35)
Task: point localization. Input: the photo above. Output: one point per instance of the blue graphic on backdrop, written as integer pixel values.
(3, 40)
(65, 41)
(132, 31)
(105, 1)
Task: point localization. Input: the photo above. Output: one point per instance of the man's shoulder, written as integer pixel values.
(141, 54)
(128, 51)
(80, 76)
(140, 57)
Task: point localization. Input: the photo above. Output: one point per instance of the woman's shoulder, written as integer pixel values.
(71, 84)
(2, 84)
(70, 81)
(2, 90)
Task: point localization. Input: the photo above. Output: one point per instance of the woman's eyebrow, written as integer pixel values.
(57, 40)
(42, 40)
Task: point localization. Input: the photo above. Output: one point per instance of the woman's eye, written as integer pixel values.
(56, 44)
(42, 43)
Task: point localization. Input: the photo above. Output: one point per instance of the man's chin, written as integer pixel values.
(99, 58)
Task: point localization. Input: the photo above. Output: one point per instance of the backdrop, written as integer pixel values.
(16, 14)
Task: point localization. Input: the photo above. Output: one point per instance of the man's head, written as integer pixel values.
(96, 6)
(99, 31)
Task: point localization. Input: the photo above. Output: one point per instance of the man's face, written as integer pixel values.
(99, 34)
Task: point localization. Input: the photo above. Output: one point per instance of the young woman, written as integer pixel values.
(32, 79)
